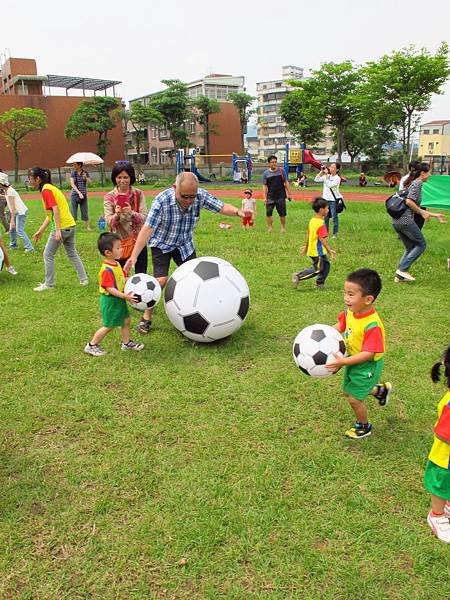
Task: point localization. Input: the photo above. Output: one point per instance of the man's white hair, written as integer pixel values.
(182, 176)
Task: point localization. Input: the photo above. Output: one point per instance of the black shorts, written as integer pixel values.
(279, 204)
(161, 261)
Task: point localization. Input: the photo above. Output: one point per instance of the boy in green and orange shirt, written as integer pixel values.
(363, 332)
(113, 299)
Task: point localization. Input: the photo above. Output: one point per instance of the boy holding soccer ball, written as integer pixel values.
(113, 300)
(363, 332)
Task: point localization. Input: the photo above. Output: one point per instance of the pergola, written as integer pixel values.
(69, 82)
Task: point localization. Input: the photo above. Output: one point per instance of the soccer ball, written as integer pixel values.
(315, 346)
(145, 288)
(207, 299)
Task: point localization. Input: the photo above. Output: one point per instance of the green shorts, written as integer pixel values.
(437, 481)
(114, 311)
(360, 379)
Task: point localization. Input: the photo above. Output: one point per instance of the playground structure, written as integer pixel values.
(298, 158)
(190, 162)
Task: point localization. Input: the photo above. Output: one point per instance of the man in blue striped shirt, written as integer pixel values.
(169, 228)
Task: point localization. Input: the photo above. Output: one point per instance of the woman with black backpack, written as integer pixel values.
(409, 231)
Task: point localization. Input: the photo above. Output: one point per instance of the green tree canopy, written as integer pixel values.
(174, 106)
(326, 98)
(400, 86)
(99, 114)
(242, 102)
(205, 107)
(140, 116)
(16, 124)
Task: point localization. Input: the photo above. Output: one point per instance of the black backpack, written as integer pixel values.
(396, 205)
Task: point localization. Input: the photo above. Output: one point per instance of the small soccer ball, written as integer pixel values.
(146, 290)
(315, 346)
(207, 299)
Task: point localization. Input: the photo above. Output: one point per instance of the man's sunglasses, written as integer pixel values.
(188, 196)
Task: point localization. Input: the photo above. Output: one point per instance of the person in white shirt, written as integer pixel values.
(18, 212)
(331, 179)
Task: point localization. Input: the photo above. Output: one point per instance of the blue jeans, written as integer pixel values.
(414, 242)
(75, 202)
(334, 216)
(20, 231)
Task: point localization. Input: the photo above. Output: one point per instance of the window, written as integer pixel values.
(163, 133)
(191, 127)
(153, 155)
(426, 131)
(435, 131)
(153, 132)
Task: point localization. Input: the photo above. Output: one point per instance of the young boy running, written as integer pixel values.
(316, 246)
(364, 336)
(113, 300)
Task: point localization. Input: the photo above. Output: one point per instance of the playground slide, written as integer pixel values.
(201, 178)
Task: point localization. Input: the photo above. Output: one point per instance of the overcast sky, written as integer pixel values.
(140, 42)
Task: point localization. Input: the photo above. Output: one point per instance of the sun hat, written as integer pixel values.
(4, 179)
(248, 191)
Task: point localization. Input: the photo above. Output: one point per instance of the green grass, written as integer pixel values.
(192, 471)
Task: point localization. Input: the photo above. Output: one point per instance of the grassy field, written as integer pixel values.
(193, 471)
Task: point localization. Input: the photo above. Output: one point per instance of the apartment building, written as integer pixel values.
(225, 126)
(273, 132)
(434, 144)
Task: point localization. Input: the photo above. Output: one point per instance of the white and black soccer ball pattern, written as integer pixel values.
(146, 290)
(315, 346)
(207, 299)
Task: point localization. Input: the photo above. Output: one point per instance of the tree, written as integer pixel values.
(324, 99)
(16, 124)
(242, 102)
(402, 84)
(141, 116)
(367, 137)
(99, 114)
(206, 107)
(174, 106)
(304, 117)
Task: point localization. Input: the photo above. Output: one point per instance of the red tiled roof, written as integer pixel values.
(444, 122)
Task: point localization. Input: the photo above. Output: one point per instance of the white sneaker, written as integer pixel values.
(11, 270)
(42, 287)
(404, 275)
(84, 282)
(94, 350)
(440, 527)
(136, 346)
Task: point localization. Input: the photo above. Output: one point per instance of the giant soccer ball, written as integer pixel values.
(146, 290)
(315, 346)
(207, 299)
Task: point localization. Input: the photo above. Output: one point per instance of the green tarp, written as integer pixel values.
(436, 192)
